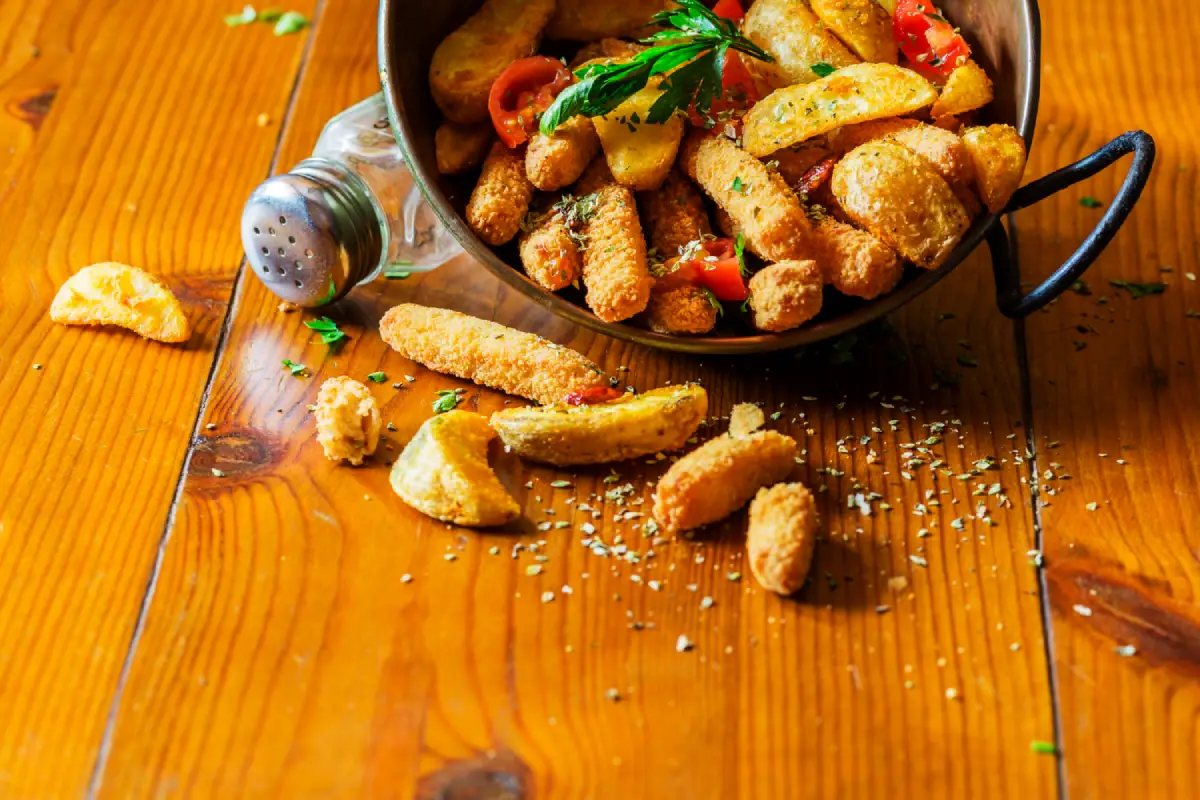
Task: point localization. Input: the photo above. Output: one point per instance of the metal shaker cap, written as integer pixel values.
(311, 235)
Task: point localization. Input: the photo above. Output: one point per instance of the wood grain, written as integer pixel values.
(283, 655)
(116, 127)
(1123, 410)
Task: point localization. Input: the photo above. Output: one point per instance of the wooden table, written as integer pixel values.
(164, 631)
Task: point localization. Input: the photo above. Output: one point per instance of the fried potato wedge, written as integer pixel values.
(116, 294)
(639, 154)
(444, 473)
(862, 24)
(796, 38)
(348, 421)
(459, 148)
(941, 148)
(967, 89)
(628, 427)
(998, 155)
(587, 20)
(857, 93)
(467, 61)
(898, 196)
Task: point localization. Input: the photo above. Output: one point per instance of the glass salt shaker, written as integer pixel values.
(342, 215)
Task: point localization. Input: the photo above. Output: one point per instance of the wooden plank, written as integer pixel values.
(283, 655)
(128, 133)
(1123, 407)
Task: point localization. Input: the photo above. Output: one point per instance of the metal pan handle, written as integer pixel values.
(1008, 276)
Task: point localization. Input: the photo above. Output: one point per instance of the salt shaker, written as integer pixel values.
(343, 215)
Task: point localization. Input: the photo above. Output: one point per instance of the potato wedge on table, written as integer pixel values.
(857, 93)
(628, 427)
(467, 61)
(640, 154)
(796, 38)
(967, 89)
(998, 155)
(588, 20)
(862, 24)
(898, 196)
(444, 473)
(116, 294)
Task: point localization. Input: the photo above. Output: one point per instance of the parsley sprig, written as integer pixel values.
(328, 329)
(694, 44)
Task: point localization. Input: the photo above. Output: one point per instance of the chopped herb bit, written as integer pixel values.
(1044, 748)
(737, 185)
(396, 272)
(967, 361)
(290, 22)
(919, 561)
(822, 69)
(1140, 290)
(1082, 610)
(447, 400)
(217, 473)
(328, 329)
(1092, 506)
(1081, 287)
(1125, 650)
(1087, 201)
(739, 250)
(377, 377)
(294, 368)
(247, 16)
(560, 484)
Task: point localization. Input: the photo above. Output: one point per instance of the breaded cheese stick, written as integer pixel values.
(673, 215)
(854, 261)
(548, 253)
(596, 176)
(786, 295)
(501, 197)
(781, 536)
(686, 309)
(488, 353)
(719, 477)
(459, 148)
(757, 199)
(554, 161)
(615, 271)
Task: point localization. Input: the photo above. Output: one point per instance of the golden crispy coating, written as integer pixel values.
(786, 295)
(745, 419)
(844, 139)
(967, 89)
(756, 198)
(467, 61)
(615, 272)
(488, 353)
(460, 148)
(686, 309)
(444, 473)
(854, 261)
(596, 176)
(116, 294)
(781, 536)
(587, 20)
(998, 154)
(673, 215)
(548, 253)
(348, 420)
(552, 162)
(795, 37)
(862, 24)
(631, 426)
(898, 196)
(719, 477)
(501, 196)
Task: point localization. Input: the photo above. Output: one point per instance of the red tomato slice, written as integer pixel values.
(738, 92)
(592, 396)
(928, 40)
(730, 10)
(522, 92)
(816, 177)
(722, 274)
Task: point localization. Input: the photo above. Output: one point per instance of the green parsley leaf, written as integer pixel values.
(1087, 201)
(396, 271)
(270, 15)
(291, 22)
(737, 185)
(823, 69)
(247, 16)
(712, 300)
(746, 306)
(294, 368)
(739, 250)
(447, 400)
(377, 377)
(1045, 748)
(1140, 290)
(327, 328)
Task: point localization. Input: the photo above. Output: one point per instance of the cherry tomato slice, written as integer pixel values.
(730, 10)
(928, 40)
(719, 271)
(592, 396)
(522, 92)
(816, 177)
(738, 92)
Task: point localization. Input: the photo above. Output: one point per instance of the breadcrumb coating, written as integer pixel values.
(548, 253)
(781, 536)
(488, 353)
(686, 309)
(554, 161)
(348, 420)
(786, 295)
(854, 261)
(719, 477)
(615, 271)
(501, 196)
(673, 215)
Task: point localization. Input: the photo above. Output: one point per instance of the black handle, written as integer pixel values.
(1008, 276)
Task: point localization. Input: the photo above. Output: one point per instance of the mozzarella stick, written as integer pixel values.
(673, 215)
(548, 252)
(488, 353)
(756, 198)
(786, 295)
(854, 261)
(719, 477)
(554, 161)
(686, 309)
(615, 272)
(781, 536)
(501, 196)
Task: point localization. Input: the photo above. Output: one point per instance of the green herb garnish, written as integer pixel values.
(968, 361)
(447, 400)
(1045, 748)
(294, 368)
(737, 185)
(396, 271)
(247, 16)
(822, 69)
(739, 250)
(712, 300)
(1140, 290)
(290, 22)
(692, 48)
(1087, 201)
(327, 328)
(377, 377)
